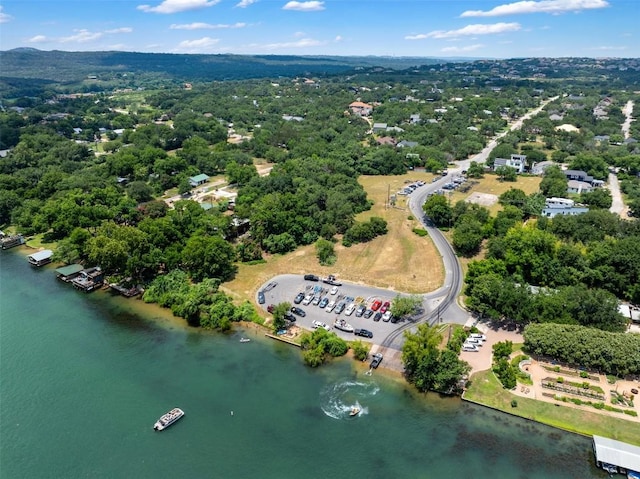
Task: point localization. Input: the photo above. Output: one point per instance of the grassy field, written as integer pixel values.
(400, 260)
(485, 389)
(491, 184)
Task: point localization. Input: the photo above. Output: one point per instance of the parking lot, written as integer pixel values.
(360, 306)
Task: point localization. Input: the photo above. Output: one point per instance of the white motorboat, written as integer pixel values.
(168, 419)
(244, 340)
(342, 325)
(355, 410)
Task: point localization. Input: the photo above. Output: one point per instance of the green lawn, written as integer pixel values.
(486, 390)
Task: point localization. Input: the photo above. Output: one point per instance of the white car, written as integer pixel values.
(330, 306)
(479, 336)
(307, 299)
(350, 309)
(469, 347)
(475, 341)
(320, 324)
(334, 290)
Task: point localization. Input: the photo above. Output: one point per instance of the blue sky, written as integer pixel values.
(424, 28)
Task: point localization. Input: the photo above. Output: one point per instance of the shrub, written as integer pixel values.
(599, 405)
(514, 403)
(631, 412)
(420, 231)
(560, 379)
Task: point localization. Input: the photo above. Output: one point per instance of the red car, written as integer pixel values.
(376, 305)
(385, 306)
(270, 308)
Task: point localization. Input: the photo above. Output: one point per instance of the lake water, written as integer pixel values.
(85, 376)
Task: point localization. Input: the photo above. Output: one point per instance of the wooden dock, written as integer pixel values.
(282, 338)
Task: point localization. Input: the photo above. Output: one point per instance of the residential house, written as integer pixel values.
(292, 118)
(518, 162)
(407, 144)
(386, 140)
(378, 127)
(198, 180)
(578, 175)
(575, 186)
(360, 108)
(562, 206)
(540, 167)
(414, 119)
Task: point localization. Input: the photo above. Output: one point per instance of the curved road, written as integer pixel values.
(445, 298)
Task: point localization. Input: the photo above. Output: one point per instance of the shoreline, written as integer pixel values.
(164, 318)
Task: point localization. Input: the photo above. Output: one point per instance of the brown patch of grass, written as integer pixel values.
(400, 260)
(492, 185)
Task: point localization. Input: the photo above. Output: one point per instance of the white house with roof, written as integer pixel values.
(518, 162)
(562, 206)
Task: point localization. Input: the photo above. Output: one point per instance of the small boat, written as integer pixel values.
(343, 325)
(355, 410)
(244, 340)
(168, 419)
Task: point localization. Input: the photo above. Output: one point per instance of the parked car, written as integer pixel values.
(270, 286)
(479, 336)
(340, 307)
(330, 307)
(323, 302)
(376, 305)
(261, 298)
(334, 290)
(307, 299)
(469, 347)
(368, 313)
(375, 362)
(320, 324)
(298, 299)
(289, 317)
(377, 316)
(316, 300)
(300, 312)
(350, 309)
(386, 316)
(270, 308)
(385, 306)
(474, 341)
(363, 332)
(311, 277)
(360, 310)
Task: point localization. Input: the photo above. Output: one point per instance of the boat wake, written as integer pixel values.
(339, 399)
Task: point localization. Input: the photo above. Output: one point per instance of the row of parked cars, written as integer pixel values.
(330, 301)
(473, 342)
(407, 190)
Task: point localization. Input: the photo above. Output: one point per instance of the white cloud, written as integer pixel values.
(199, 45)
(338, 38)
(478, 29)
(304, 42)
(312, 6)
(543, 6)
(468, 48)
(4, 18)
(120, 30)
(175, 6)
(205, 26)
(246, 3)
(604, 48)
(38, 39)
(82, 36)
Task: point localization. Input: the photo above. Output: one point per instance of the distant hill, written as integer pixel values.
(60, 66)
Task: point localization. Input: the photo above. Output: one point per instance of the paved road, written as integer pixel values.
(626, 126)
(617, 205)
